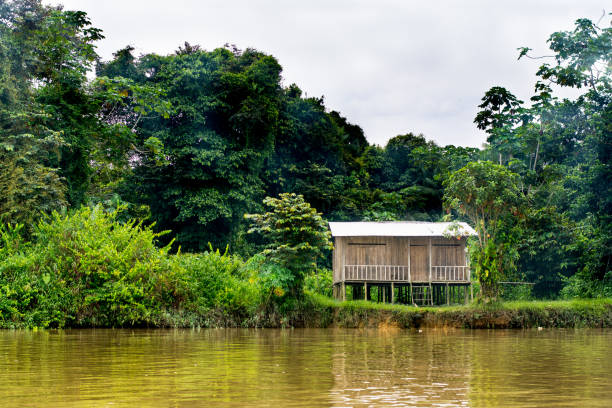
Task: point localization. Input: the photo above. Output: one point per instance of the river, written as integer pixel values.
(306, 368)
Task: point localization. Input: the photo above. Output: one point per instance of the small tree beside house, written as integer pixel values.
(297, 236)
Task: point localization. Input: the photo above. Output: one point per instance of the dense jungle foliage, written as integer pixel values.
(115, 188)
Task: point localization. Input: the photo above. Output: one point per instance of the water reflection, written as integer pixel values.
(314, 368)
(399, 368)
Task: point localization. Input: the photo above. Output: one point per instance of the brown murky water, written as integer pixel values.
(306, 368)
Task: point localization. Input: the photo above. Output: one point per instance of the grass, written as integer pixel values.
(515, 314)
(575, 304)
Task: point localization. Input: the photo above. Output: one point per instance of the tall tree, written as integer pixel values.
(223, 127)
(487, 194)
(29, 179)
(559, 148)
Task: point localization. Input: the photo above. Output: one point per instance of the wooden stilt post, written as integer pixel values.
(343, 289)
(365, 290)
(411, 295)
(392, 293)
(447, 294)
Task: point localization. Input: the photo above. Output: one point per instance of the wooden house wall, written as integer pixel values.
(368, 251)
(419, 259)
(337, 258)
(394, 251)
(446, 251)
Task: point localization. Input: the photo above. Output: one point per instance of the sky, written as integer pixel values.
(391, 67)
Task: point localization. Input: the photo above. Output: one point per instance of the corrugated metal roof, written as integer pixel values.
(397, 229)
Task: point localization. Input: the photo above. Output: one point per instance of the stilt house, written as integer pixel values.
(409, 262)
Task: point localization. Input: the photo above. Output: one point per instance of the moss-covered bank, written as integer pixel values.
(593, 313)
(317, 311)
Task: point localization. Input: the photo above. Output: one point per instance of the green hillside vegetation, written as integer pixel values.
(116, 190)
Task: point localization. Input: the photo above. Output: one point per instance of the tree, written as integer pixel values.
(488, 195)
(45, 96)
(215, 142)
(500, 112)
(297, 237)
(62, 46)
(28, 187)
(30, 183)
(316, 154)
(560, 148)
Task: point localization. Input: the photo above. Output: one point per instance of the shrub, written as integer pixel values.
(320, 282)
(88, 269)
(581, 286)
(220, 281)
(516, 292)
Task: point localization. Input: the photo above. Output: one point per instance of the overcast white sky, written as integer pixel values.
(390, 66)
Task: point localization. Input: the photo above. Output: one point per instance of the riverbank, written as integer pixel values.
(580, 313)
(316, 311)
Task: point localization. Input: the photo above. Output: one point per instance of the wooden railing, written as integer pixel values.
(401, 273)
(450, 273)
(377, 272)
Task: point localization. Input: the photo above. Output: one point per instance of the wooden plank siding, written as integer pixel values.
(386, 259)
(418, 260)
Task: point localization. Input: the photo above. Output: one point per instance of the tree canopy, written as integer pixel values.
(194, 140)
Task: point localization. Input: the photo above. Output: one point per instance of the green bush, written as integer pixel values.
(94, 268)
(320, 282)
(516, 292)
(581, 286)
(88, 269)
(220, 281)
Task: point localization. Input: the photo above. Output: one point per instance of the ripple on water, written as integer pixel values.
(314, 368)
